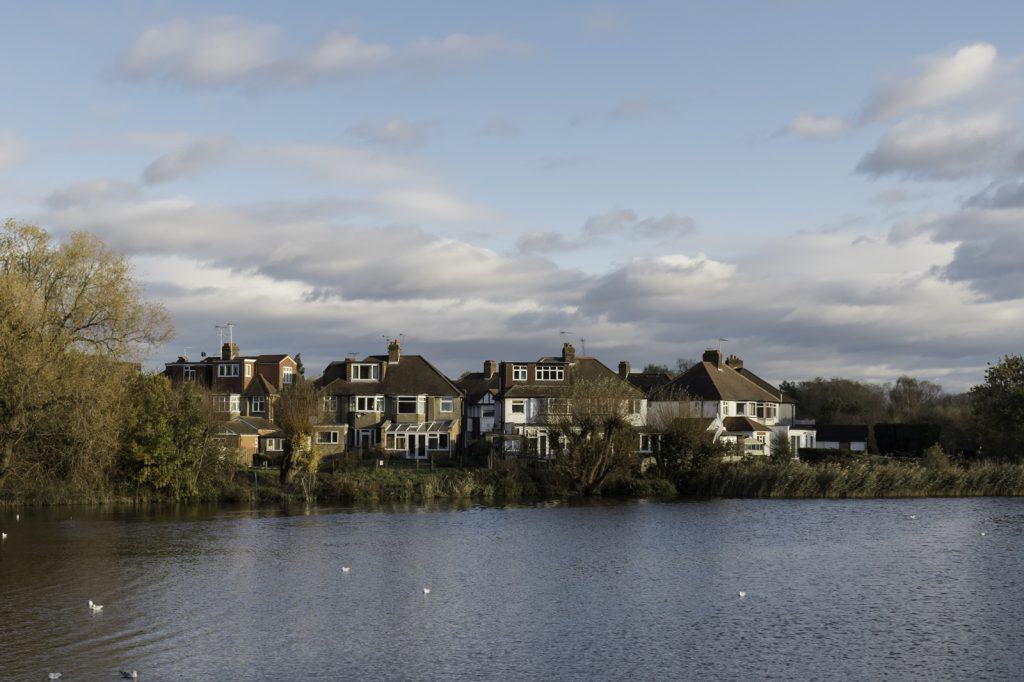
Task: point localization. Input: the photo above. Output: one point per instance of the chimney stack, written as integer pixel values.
(623, 369)
(714, 356)
(394, 352)
(182, 358)
(734, 362)
(229, 351)
(490, 367)
(568, 353)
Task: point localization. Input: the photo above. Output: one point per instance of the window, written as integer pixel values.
(327, 437)
(227, 370)
(257, 403)
(635, 406)
(188, 373)
(274, 444)
(648, 442)
(550, 373)
(741, 409)
(395, 441)
(725, 409)
(331, 404)
(518, 407)
(518, 372)
(447, 404)
(369, 403)
(248, 370)
(407, 404)
(437, 441)
(226, 402)
(288, 374)
(365, 372)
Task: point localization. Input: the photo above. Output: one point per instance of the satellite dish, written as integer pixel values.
(203, 353)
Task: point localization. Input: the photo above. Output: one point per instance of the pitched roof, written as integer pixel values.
(585, 368)
(260, 385)
(476, 385)
(250, 426)
(743, 425)
(705, 381)
(765, 385)
(648, 382)
(411, 375)
(842, 433)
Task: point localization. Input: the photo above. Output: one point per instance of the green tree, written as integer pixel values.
(73, 325)
(782, 452)
(998, 408)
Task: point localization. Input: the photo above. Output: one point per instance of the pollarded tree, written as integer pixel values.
(297, 410)
(594, 433)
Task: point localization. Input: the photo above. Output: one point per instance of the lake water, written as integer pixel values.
(639, 590)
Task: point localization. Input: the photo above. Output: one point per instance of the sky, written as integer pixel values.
(837, 189)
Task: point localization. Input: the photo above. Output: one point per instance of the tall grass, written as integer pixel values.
(861, 479)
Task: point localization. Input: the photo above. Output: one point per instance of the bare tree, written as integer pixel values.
(594, 429)
(682, 437)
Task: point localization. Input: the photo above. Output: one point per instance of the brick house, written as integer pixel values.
(480, 406)
(399, 403)
(243, 390)
(528, 396)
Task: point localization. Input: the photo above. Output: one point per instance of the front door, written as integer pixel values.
(417, 445)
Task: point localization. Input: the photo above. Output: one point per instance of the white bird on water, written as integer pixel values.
(345, 569)
(982, 533)
(95, 608)
(742, 595)
(912, 517)
(54, 676)
(3, 536)
(129, 674)
(426, 590)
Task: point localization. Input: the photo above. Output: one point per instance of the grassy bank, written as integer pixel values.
(858, 479)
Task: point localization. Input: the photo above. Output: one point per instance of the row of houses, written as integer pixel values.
(405, 406)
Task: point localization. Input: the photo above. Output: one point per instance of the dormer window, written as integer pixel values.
(288, 374)
(248, 370)
(227, 370)
(518, 372)
(365, 372)
(258, 404)
(550, 373)
(188, 373)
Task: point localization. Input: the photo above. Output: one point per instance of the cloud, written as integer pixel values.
(943, 149)
(12, 150)
(891, 197)
(619, 223)
(432, 206)
(636, 107)
(943, 79)
(611, 222)
(501, 127)
(1006, 195)
(811, 126)
(548, 243)
(234, 51)
(394, 133)
(188, 161)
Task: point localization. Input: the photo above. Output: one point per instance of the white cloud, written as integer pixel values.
(809, 125)
(224, 51)
(12, 150)
(394, 133)
(187, 161)
(943, 79)
(939, 148)
(424, 205)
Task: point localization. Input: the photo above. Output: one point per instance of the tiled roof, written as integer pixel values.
(250, 426)
(260, 385)
(583, 369)
(648, 382)
(475, 385)
(704, 381)
(765, 385)
(411, 375)
(743, 425)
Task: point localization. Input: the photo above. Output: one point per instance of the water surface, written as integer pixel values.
(835, 589)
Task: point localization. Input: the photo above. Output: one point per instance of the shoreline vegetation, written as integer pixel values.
(859, 478)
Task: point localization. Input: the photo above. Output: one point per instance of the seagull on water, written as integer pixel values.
(345, 569)
(742, 594)
(54, 676)
(3, 536)
(129, 674)
(95, 608)
(426, 590)
(912, 517)
(982, 533)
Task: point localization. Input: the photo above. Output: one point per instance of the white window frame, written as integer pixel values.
(521, 402)
(258, 400)
(188, 373)
(519, 372)
(273, 444)
(248, 370)
(330, 404)
(447, 405)
(419, 401)
(395, 441)
(332, 438)
(288, 374)
(227, 370)
(374, 371)
(549, 373)
(367, 403)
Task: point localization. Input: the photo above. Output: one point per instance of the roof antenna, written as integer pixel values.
(583, 346)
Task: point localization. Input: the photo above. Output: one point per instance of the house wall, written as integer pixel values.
(853, 446)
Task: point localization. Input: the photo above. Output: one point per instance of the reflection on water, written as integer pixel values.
(612, 590)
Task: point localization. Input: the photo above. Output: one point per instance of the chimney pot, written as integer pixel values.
(734, 362)
(490, 367)
(229, 351)
(714, 356)
(394, 352)
(624, 369)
